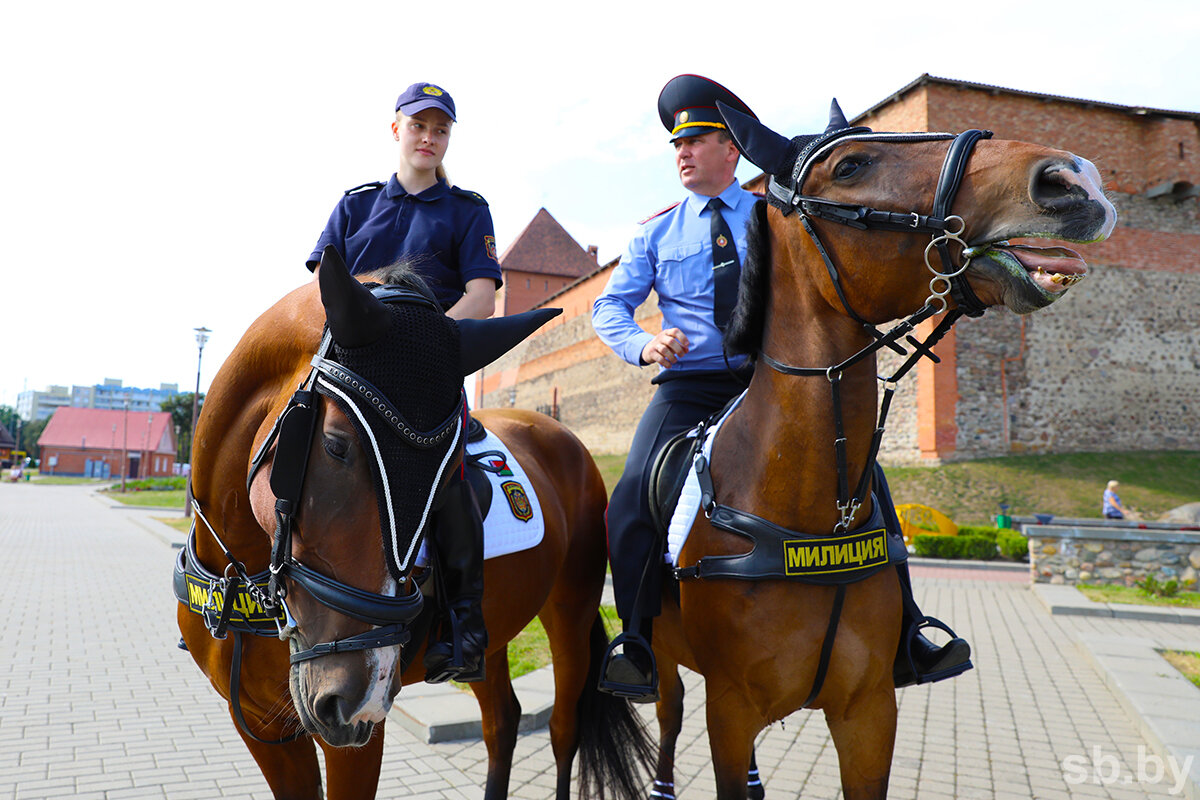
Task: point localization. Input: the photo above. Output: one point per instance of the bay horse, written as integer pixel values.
(360, 451)
(853, 224)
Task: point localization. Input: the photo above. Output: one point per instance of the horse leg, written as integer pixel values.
(865, 735)
(352, 773)
(754, 787)
(501, 717)
(568, 628)
(732, 726)
(670, 723)
(291, 769)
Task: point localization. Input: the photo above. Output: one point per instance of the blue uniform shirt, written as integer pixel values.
(672, 254)
(445, 232)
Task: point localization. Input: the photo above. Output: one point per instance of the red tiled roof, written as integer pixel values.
(103, 429)
(546, 249)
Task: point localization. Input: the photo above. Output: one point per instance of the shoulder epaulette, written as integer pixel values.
(660, 212)
(467, 193)
(372, 186)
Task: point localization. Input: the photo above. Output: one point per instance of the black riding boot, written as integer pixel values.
(919, 660)
(458, 538)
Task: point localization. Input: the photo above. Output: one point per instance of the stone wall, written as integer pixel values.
(1111, 555)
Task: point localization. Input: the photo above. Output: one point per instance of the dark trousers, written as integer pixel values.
(634, 547)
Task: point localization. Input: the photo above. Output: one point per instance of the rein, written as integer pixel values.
(942, 227)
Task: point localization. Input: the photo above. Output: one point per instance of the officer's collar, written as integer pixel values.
(395, 190)
(731, 196)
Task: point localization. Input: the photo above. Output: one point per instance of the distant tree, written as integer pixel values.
(30, 433)
(180, 409)
(8, 418)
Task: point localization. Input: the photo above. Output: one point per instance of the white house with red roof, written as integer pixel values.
(101, 443)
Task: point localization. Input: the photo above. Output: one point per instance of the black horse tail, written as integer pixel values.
(616, 751)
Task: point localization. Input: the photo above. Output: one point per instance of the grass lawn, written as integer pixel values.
(1067, 485)
(171, 498)
(1133, 595)
(530, 650)
(1186, 662)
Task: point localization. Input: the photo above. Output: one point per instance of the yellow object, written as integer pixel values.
(917, 519)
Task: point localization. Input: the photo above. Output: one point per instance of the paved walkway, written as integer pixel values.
(96, 701)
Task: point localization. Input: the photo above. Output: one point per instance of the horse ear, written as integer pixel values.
(762, 146)
(837, 120)
(356, 317)
(482, 341)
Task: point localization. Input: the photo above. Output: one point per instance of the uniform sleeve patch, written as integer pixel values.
(489, 245)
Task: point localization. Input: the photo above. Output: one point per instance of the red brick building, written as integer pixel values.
(100, 443)
(541, 261)
(1115, 365)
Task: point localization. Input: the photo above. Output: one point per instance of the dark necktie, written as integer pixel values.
(726, 269)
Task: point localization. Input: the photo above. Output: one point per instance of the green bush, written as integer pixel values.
(1151, 587)
(978, 530)
(1013, 545)
(979, 548)
(166, 484)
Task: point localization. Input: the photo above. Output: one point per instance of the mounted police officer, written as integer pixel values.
(690, 254)
(445, 233)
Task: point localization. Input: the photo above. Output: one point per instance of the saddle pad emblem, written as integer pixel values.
(838, 554)
(500, 465)
(518, 502)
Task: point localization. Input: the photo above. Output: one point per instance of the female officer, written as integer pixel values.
(443, 230)
(445, 234)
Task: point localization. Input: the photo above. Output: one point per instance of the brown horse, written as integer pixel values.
(808, 304)
(343, 600)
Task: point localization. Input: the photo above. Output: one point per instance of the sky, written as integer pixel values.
(167, 166)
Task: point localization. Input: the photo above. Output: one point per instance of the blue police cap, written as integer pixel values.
(421, 96)
(687, 106)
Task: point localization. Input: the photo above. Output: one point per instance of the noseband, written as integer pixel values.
(292, 435)
(943, 228)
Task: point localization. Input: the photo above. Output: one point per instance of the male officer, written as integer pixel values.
(690, 254)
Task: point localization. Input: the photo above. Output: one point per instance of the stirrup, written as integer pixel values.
(911, 675)
(636, 692)
(455, 667)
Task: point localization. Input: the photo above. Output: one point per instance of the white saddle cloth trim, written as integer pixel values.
(503, 531)
(689, 499)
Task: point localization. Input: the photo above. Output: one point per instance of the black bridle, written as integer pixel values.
(292, 436)
(943, 228)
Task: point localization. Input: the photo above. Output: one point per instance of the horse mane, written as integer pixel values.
(745, 331)
(402, 273)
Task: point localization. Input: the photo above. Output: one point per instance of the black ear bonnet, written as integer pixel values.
(414, 368)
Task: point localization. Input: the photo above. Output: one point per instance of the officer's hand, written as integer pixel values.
(666, 347)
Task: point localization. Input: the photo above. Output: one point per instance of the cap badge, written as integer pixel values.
(432, 90)
(683, 117)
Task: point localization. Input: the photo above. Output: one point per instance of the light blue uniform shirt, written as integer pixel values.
(672, 254)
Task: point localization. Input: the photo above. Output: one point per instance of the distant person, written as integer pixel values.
(1112, 502)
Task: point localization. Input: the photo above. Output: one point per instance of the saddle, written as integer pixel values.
(475, 468)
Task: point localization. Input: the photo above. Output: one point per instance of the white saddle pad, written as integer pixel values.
(689, 499)
(514, 521)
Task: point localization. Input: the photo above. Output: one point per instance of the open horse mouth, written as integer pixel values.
(1052, 270)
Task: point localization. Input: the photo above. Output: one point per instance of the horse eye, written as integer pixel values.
(336, 447)
(848, 168)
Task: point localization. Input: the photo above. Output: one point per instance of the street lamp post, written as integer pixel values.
(125, 445)
(201, 337)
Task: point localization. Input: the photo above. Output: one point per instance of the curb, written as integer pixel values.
(441, 712)
(1164, 704)
(1069, 601)
(955, 563)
